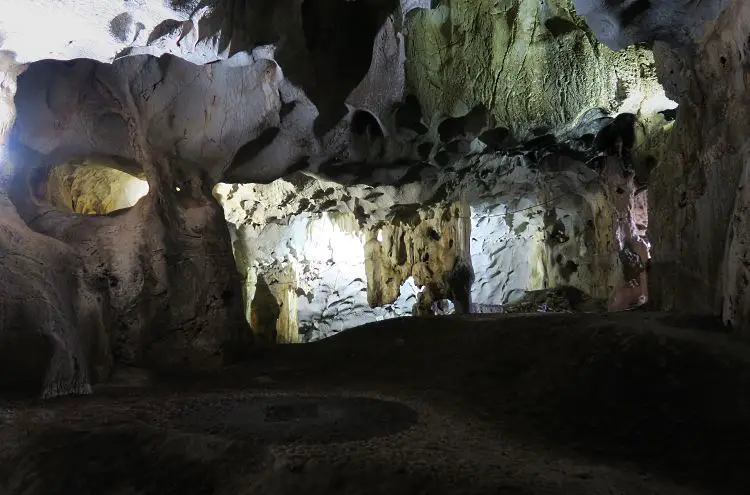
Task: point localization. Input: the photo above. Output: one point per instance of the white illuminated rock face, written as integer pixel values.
(103, 30)
(533, 226)
(324, 254)
(537, 229)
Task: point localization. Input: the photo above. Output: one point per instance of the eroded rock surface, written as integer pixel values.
(697, 199)
(202, 113)
(326, 45)
(53, 339)
(362, 253)
(92, 188)
(619, 23)
(158, 278)
(533, 65)
(697, 195)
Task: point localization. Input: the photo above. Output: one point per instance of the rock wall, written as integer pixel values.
(319, 257)
(169, 291)
(326, 46)
(697, 194)
(428, 243)
(202, 114)
(153, 285)
(52, 334)
(546, 229)
(508, 180)
(534, 65)
(362, 253)
(697, 198)
(53, 337)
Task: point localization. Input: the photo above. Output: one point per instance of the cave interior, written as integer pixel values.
(374, 246)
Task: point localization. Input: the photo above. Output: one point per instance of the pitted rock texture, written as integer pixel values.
(428, 243)
(315, 265)
(697, 194)
(533, 65)
(529, 225)
(93, 188)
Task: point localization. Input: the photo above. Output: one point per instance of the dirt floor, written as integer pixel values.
(629, 403)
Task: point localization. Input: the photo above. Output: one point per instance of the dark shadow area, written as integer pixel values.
(248, 151)
(340, 35)
(527, 402)
(470, 124)
(297, 419)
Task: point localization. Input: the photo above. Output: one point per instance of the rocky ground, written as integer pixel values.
(629, 403)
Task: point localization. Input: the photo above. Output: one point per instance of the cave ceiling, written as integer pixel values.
(251, 91)
(254, 91)
(325, 46)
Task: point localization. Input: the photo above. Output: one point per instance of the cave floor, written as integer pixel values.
(627, 403)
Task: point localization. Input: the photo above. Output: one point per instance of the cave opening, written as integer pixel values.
(92, 186)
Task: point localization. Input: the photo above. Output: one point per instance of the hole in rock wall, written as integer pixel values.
(92, 186)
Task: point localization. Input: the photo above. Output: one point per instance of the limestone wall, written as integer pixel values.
(533, 64)
(697, 200)
(363, 253)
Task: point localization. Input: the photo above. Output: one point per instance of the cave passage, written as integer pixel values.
(92, 187)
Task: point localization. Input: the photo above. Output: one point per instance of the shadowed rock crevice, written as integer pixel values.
(340, 37)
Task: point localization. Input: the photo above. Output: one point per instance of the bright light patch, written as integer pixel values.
(658, 102)
(93, 189)
(326, 252)
(133, 190)
(6, 118)
(647, 103)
